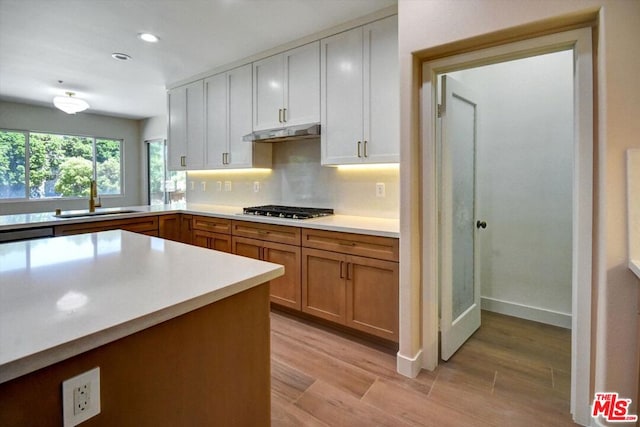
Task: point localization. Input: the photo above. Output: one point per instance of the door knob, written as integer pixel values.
(481, 224)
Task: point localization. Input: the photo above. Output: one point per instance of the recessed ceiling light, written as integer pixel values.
(120, 56)
(148, 37)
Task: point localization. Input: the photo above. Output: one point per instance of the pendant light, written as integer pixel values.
(69, 104)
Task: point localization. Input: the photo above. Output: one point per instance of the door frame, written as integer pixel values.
(580, 41)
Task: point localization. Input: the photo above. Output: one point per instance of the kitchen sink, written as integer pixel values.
(101, 212)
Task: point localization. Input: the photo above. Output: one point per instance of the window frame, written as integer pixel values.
(27, 164)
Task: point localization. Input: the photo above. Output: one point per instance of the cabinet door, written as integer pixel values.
(195, 125)
(302, 85)
(240, 106)
(186, 235)
(381, 92)
(372, 296)
(177, 129)
(268, 93)
(323, 284)
(285, 290)
(216, 120)
(216, 241)
(341, 98)
(169, 227)
(247, 247)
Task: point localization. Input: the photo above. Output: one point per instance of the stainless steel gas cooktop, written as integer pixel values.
(293, 212)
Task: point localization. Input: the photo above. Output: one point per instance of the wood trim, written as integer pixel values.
(385, 248)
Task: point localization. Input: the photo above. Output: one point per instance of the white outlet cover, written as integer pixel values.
(203, 185)
(380, 190)
(219, 185)
(227, 186)
(92, 378)
(256, 186)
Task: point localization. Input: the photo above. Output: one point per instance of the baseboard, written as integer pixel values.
(409, 366)
(536, 314)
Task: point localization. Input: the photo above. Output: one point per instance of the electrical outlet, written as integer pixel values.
(203, 185)
(380, 190)
(256, 186)
(81, 397)
(227, 186)
(219, 185)
(192, 184)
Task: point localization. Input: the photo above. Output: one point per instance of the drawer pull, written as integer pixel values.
(263, 232)
(345, 243)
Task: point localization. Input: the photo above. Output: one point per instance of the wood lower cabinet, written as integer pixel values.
(186, 231)
(285, 290)
(356, 291)
(145, 225)
(212, 233)
(169, 227)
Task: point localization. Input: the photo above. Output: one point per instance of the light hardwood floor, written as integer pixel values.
(510, 373)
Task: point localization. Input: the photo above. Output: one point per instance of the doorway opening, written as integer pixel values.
(510, 170)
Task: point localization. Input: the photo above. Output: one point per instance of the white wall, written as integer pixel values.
(35, 118)
(524, 178)
(296, 178)
(425, 27)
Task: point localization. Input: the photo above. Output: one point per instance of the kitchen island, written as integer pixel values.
(180, 333)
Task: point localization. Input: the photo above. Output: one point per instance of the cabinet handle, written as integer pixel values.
(262, 253)
(263, 232)
(365, 149)
(345, 243)
(183, 160)
(359, 144)
(280, 115)
(228, 158)
(341, 269)
(284, 115)
(349, 270)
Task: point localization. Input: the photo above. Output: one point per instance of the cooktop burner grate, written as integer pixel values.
(287, 211)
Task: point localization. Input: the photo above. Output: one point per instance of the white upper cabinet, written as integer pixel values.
(360, 95)
(228, 119)
(186, 127)
(286, 88)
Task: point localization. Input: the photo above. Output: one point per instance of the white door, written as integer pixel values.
(459, 270)
(268, 93)
(239, 90)
(216, 120)
(177, 144)
(302, 85)
(195, 125)
(341, 98)
(381, 87)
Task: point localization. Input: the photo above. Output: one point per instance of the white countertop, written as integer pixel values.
(344, 223)
(62, 296)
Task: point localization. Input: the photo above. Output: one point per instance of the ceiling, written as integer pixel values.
(43, 42)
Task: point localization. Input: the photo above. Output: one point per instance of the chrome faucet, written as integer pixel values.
(93, 193)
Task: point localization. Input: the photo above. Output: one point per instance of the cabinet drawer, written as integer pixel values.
(217, 225)
(386, 248)
(268, 232)
(145, 225)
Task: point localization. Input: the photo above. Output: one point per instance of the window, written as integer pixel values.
(164, 186)
(56, 166)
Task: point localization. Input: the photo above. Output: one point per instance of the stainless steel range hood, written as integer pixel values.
(285, 134)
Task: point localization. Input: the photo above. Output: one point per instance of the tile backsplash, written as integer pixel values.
(298, 179)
